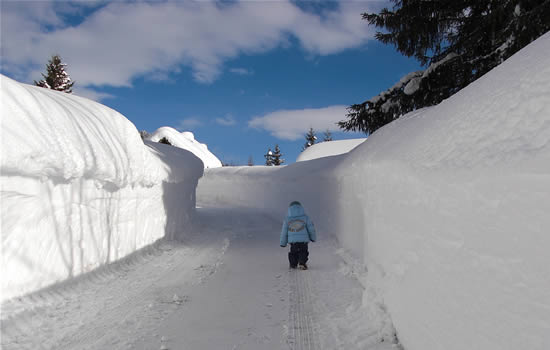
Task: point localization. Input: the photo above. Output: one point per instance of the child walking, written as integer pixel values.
(297, 230)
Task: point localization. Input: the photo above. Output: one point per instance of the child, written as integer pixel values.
(297, 230)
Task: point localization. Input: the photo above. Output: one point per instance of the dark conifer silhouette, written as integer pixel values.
(310, 139)
(56, 77)
(457, 40)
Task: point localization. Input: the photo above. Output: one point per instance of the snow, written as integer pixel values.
(465, 265)
(226, 285)
(79, 187)
(186, 140)
(410, 83)
(403, 81)
(517, 10)
(413, 83)
(434, 66)
(412, 86)
(447, 206)
(432, 232)
(329, 148)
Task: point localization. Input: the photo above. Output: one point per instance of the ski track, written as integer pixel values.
(144, 300)
(302, 324)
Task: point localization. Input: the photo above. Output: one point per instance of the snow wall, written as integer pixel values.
(447, 207)
(79, 188)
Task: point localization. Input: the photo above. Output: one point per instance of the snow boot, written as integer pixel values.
(302, 266)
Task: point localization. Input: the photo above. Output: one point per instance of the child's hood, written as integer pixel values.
(295, 209)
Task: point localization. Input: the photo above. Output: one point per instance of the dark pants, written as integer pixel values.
(298, 254)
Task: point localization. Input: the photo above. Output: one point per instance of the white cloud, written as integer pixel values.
(189, 123)
(91, 93)
(241, 71)
(228, 120)
(123, 40)
(294, 124)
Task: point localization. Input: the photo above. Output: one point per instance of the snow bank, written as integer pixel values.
(448, 207)
(329, 148)
(186, 140)
(79, 187)
(456, 212)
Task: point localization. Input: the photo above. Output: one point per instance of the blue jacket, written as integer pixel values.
(297, 226)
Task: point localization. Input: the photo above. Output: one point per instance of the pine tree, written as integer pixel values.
(310, 139)
(269, 157)
(457, 41)
(57, 77)
(277, 156)
(250, 161)
(165, 141)
(328, 136)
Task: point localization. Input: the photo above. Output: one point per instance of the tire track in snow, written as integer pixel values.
(111, 307)
(302, 334)
(38, 320)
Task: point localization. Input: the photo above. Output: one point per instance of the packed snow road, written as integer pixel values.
(225, 286)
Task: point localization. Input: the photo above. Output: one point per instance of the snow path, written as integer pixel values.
(225, 286)
(302, 327)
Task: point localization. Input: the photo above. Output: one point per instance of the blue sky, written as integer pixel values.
(242, 76)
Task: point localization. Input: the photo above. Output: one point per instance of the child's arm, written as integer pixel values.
(311, 230)
(284, 234)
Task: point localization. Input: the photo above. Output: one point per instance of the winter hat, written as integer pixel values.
(295, 203)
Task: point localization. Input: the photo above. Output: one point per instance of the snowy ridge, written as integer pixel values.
(447, 206)
(50, 134)
(186, 140)
(80, 189)
(325, 149)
